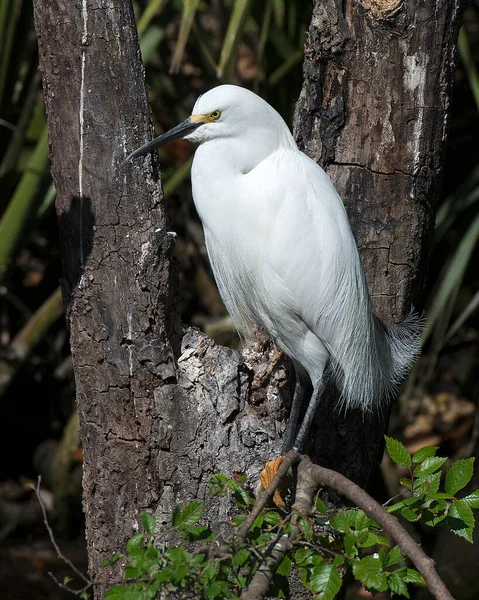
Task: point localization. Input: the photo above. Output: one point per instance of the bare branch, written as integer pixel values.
(60, 554)
(289, 460)
(317, 475)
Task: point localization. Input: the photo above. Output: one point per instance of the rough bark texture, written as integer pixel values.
(161, 409)
(373, 112)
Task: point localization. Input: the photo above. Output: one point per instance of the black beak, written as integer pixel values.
(180, 131)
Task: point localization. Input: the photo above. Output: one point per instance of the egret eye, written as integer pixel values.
(215, 115)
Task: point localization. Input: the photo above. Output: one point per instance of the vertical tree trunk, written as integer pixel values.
(373, 112)
(161, 409)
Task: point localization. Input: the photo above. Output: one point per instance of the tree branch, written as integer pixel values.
(310, 477)
(317, 476)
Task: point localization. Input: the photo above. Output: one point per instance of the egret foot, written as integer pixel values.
(302, 390)
(308, 417)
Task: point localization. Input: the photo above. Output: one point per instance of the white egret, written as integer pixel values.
(284, 256)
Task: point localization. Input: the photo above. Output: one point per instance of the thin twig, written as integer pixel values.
(265, 496)
(60, 554)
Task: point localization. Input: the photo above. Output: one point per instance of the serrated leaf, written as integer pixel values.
(285, 567)
(429, 465)
(429, 484)
(366, 567)
(398, 452)
(241, 556)
(306, 527)
(459, 475)
(423, 453)
(190, 515)
(134, 543)
(472, 500)
(149, 523)
(394, 557)
(303, 556)
(272, 518)
(325, 581)
(461, 520)
(396, 583)
(349, 542)
(412, 576)
(340, 522)
(361, 521)
(117, 592)
(200, 533)
(368, 539)
(378, 582)
(410, 514)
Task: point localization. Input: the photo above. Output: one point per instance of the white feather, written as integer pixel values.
(283, 253)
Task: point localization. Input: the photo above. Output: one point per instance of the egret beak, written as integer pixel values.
(180, 131)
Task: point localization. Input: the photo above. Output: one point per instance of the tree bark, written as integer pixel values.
(161, 409)
(373, 112)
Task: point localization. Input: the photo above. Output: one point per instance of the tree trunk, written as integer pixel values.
(373, 112)
(161, 409)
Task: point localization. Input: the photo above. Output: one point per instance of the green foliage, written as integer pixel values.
(325, 546)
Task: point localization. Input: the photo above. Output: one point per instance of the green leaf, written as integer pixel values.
(394, 557)
(303, 556)
(472, 500)
(132, 573)
(200, 532)
(429, 465)
(368, 539)
(461, 520)
(189, 515)
(459, 475)
(149, 523)
(117, 592)
(272, 518)
(178, 555)
(134, 543)
(412, 576)
(349, 542)
(410, 514)
(398, 452)
(423, 453)
(325, 581)
(340, 522)
(321, 506)
(285, 567)
(306, 527)
(405, 482)
(366, 567)
(66, 580)
(213, 590)
(241, 556)
(396, 582)
(238, 520)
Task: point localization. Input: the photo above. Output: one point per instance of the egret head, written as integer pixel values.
(227, 111)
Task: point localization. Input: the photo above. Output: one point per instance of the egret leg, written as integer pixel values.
(301, 389)
(310, 412)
